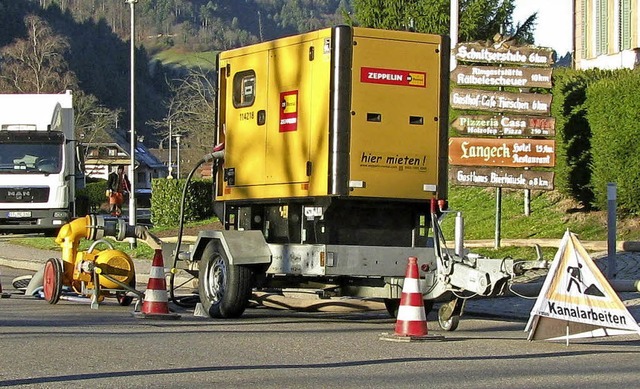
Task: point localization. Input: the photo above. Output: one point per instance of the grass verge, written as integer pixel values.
(551, 215)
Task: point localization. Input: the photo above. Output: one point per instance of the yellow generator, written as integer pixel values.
(335, 148)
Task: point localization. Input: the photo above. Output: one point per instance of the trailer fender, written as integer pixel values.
(240, 247)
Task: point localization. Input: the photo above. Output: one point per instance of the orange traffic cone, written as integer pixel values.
(156, 302)
(411, 323)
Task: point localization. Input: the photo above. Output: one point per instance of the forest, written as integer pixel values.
(48, 46)
(84, 45)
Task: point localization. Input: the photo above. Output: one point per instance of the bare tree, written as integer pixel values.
(192, 114)
(36, 64)
(92, 120)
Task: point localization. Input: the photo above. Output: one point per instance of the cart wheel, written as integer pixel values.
(451, 322)
(52, 282)
(122, 297)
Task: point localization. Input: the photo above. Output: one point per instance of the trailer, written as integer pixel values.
(333, 173)
(39, 165)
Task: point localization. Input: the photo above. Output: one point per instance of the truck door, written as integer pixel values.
(396, 117)
(243, 108)
(289, 106)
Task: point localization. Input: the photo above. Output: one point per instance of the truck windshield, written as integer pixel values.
(31, 154)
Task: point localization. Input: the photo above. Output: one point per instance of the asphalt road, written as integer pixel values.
(68, 344)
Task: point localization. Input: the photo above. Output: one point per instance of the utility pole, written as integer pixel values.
(132, 172)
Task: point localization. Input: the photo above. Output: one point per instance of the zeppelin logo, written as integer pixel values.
(393, 77)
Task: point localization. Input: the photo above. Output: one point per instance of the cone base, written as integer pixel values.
(410, 338)
(159, 316)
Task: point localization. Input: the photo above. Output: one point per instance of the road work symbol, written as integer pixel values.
(575, 278)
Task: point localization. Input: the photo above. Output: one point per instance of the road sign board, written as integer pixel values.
(501, 177)
(502, 76)
(494, 101)
(503, 125)
(481, 52)
(502, 152)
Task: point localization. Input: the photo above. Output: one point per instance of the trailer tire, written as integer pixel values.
(224, 289)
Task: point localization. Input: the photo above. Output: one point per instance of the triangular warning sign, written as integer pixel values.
(576, 300)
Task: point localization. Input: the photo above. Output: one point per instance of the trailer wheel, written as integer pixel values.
(52, 281)
(446, 320)
(224, 289)
(392, 306)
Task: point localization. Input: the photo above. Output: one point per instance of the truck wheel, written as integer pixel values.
(224, 289)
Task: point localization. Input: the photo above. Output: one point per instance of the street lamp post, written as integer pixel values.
(178, 156)
(453, 29)
(132, 175)
(170, 160)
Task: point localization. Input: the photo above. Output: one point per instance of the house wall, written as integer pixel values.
(606, 34)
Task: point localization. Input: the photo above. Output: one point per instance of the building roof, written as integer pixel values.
(115, 139)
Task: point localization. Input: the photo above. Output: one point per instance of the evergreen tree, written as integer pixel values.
(478, 19)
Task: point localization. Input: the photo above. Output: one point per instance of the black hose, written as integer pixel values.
(191, 300)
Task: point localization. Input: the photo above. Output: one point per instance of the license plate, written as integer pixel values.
(19, 214)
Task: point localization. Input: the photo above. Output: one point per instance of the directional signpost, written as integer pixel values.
(504, 148)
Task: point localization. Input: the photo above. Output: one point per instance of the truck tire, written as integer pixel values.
(224, 289)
